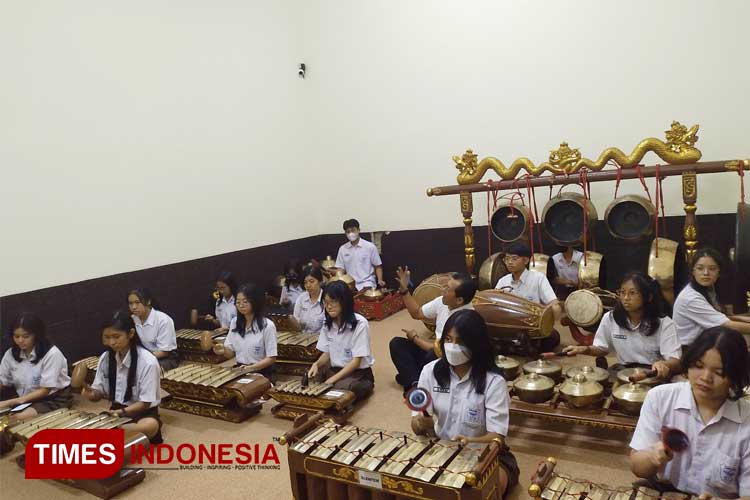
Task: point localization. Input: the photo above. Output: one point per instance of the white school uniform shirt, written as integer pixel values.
(310, 314)
(344, 344)
(565, 270)
(157, 332)
(292, 294)
(693, 314)
(718, 458)
(435, 309)
(532, 285)
(146, 387)
(225, 311)
(256, 345)
(632, 346)
(459, 410)
(51, 372)
(359, 262)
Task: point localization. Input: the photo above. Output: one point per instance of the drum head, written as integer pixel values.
(510, 224)
(630, 219)
(584, 308)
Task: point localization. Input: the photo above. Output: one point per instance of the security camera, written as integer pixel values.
(301, 70)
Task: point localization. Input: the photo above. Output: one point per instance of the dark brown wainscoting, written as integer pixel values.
(74, 312)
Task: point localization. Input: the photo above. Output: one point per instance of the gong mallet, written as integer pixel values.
(674, 440)
(550, 355)
(639, 375)
(418, 399)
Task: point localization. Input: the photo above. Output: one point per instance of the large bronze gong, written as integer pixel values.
(492, 270)
(630, 217)
(563, 219)
(510, 224)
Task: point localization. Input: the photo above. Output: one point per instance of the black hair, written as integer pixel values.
(257, 299)
(472, 330)
(228, 279)
(653, 303)
(123, 322)
(35, 326)
(145, 296)
(340, 292)
(292, 274)
(707, 293)
(314, 272)
(735, 358)
(520, 248)
(351, 223)
(467, 287)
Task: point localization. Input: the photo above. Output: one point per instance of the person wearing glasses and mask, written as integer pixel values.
(697, 307)
(637, 329)
(530, 285)
(360, 259)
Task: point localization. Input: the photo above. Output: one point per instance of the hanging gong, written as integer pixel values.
(540, 263)
(742, 258)
(594, 273)
(510, 223)
(563, 219)
(661, 268)
(630, 217)
(492, 270)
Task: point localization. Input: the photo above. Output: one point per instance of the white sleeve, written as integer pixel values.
(101, 380)
(148, 383)
(430, 310)
(546, 293)
(649, 423)
(375, 256)
(669, 343)
(269, 339)
(166, 337)
(603, 337)
(53, 364)
(361, 339)
(704, 314)
(297, 312)
(230, 341)
(323, 344)
(6, 377)
(340, 260)
(496, 404)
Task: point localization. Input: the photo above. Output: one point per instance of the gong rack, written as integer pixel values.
(565, 164)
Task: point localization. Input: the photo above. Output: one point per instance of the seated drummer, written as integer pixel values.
(360, 258)
(637, 329)
(292, 288)
(564, 270)
(531, 285)
(309, 312)
(697, 306)
(35, 369)
(469, 395)
(128, 375)
(252, 336)
(225, 309)
(411, 354)
(708, 409)
(345, 343)
(155, 328)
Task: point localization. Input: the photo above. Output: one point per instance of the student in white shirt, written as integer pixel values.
(470, 402)
(531, 285)
(225, 310)
(154, 328)
(309, 313)
(411, 354)
(360, 258)
(252, 336)
(564, 270)
(637, 329)
(345, 343)
(292, 288)
(697, 306)
(34, 369)
(128, 376)
(708, 408)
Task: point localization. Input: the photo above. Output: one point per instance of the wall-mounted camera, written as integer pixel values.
(301, 70)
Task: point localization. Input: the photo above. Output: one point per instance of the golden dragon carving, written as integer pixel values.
(678, 149)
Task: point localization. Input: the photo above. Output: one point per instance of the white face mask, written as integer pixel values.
(352, 236)
(456, 354)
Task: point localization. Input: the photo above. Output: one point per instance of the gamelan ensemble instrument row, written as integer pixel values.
(296, 352)
(332, 462)
(197, 345)
(295, 400)
(77, 419)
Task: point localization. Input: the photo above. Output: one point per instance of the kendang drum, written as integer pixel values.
(585, 308)
(510, 223)
(661, 268)
(563, 219)
(630, 218)
(491, 270)
(431, 288)
(508, 315)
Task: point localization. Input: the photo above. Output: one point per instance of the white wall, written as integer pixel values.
(145, 133)
(400, 87)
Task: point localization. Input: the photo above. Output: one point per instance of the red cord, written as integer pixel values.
(619, 177)
(741, 173)
(643, 181)
(582, 177)
(658, 193)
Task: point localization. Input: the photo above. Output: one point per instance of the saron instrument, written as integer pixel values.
(195, 345)
(296, 352)
(295, 399)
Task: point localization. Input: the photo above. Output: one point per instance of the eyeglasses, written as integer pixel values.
(511, 258)
(628, 293)
(703, 269)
